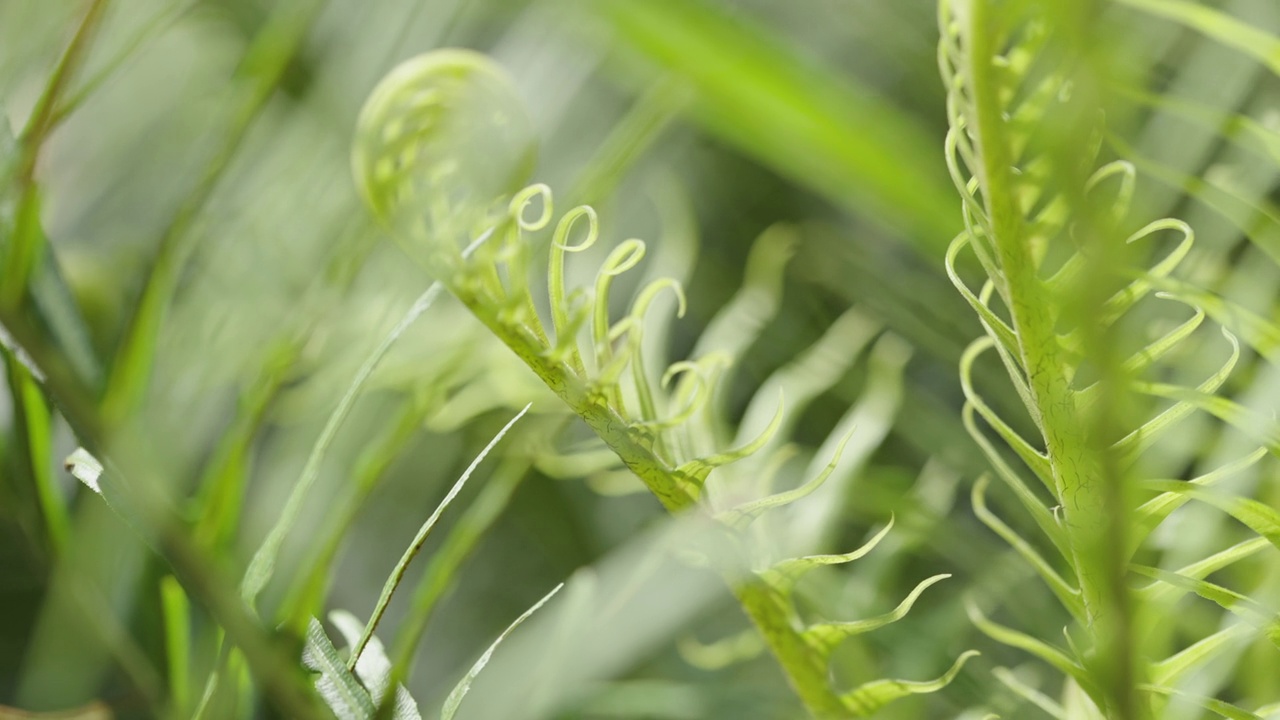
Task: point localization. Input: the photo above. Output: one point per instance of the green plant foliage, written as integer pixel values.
(292, 320)
(1061, 295)
(657, 435)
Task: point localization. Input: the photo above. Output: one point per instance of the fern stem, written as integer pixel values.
(584, 402)
(766, 606)
(1074, 471)
(1087, 476)
(806, 669)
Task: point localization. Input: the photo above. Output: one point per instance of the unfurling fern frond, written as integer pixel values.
(418, 137)
(1062, 297)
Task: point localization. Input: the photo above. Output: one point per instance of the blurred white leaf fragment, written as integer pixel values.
(85, 467)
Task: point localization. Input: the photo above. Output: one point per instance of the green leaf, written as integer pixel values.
(1067, 595)
(1034, 459)
(1188, 400)
(460, 690)
(998, 330)
(341, 691)
(784, 574)
(1262, 519)
(722, 653)
(1223, 709)
(1233, 602)
(1150, 514)
(867, 699)
(825, 636)
(1035, 646)
(695, 471)
(397, 573)
(1173, 668)
(1030, 694)
(176, 610)
(1203, 568)
(1044, 519)
(742, 515)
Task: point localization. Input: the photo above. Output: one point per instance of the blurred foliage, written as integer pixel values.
(190, 282)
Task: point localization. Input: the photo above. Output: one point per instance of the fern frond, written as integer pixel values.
(662, 426)
(1048, 235)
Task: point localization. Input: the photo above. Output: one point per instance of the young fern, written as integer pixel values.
(1058, 297)
(442, 146)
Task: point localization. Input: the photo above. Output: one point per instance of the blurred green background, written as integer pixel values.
(206, 166)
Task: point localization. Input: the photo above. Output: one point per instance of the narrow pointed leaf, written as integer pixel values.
(1222, 709)
(1150, 514)
(1035, 646)
(784, 574)
(1171, 669)
(869, 698)
(1030, 694)
(1066, 594)
(454, 701)
(696, 471)
(1262, 519)
(1233, 602)
(825, 636)
(742, 515)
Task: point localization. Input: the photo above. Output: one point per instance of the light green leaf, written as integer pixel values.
(1034, 459)
(1262, 519)
(1233, 602)
(1201, 569)
(867, 699)
(460, 690)
(397, 573)
(1150, 514)
(825, 636)
(695, 472)
(740, 322)
(1067, 595)
(742, 515)
(1188, 400)
(1171, 669)
(1030, 694)
(1035, 646)
(1223, 709)
(784, 574)
(722, 653)
(1044, 519)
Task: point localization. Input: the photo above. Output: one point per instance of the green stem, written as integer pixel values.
(1074, 471)
(767, 607)
(584, 402)
(1087, 475)
(806, 669)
